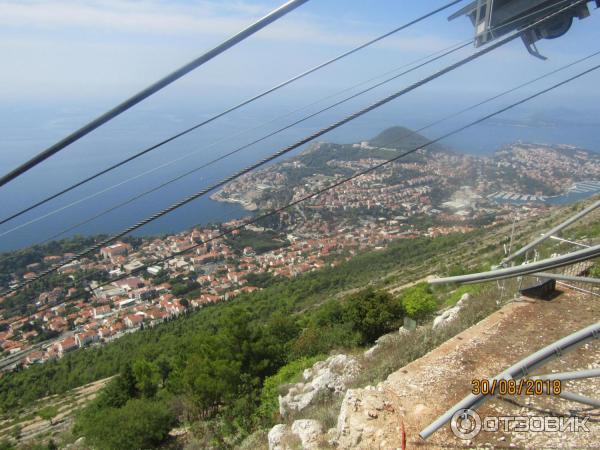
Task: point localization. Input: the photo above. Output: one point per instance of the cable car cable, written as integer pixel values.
(350, 178)
(215, 160)
(303, 141)
(152, 89)
(96, 123)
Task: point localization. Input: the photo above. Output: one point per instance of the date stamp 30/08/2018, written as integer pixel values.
(523, 386)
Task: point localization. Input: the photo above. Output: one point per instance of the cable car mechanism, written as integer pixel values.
(494, 18)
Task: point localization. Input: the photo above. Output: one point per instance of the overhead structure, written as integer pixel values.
(571, 220)
(522, 368)
(495, 18)
(524, 269)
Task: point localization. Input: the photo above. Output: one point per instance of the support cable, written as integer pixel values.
(88, 128)
(279, 153)
(213, 161)
(198, 168)
(152, 89)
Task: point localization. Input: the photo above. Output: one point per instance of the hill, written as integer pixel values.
(208, 368)
(402, 139)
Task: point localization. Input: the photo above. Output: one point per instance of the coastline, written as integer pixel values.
(245, 204)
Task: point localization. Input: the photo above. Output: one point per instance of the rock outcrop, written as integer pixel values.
(359, 409)
(450, 315)
(276, 435)
(325, 377)
(308, 433)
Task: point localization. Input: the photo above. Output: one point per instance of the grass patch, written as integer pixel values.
(49, 412)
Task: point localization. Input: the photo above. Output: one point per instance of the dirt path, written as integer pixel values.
(421, 391)
(66, 405)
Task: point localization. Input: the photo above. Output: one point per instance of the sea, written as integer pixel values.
(25, 131)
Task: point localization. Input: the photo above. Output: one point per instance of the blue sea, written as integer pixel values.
(26, 131)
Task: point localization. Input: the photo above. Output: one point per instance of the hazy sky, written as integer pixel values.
(96, 50)
(66, 61)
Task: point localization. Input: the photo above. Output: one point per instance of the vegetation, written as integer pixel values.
(140, 423)
(260, 242)
(210, 366)
(290, 373)
(418, 302)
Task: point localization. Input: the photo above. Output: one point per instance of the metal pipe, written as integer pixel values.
(567, 376)
(553, 231)
(556, 238)
(573, 397)
(558, 276)
(578, 289)
(519, 370)
(525, 269)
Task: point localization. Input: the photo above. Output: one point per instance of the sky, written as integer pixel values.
(66, 61)
(83, 51)
(63, 62)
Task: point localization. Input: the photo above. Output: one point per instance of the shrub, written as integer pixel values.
(372, 313)
(418, 302)
(139, 424)
(48, 412)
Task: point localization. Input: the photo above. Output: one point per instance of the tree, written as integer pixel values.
(372, 313)
(210, 382)
(146, 377)
(140, 424)
(418, 302)
(119, 390)
(163, 366)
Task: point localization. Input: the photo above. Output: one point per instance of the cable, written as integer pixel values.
(277, 154)
(196, 169)
(215, 160)
(447, 51)
(285, 150)
(152, 89)
(510, 91)
(77, 134)
(356, 175)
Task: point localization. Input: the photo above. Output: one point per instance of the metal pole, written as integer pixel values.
(573, 397)
(519, 370)
(147, 92)
(557, 276)
(567, 376)
(553, 231)
(556, 238)
(525, 269)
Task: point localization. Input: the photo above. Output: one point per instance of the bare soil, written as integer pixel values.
(424, 389)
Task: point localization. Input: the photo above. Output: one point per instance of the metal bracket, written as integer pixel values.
(531, 47)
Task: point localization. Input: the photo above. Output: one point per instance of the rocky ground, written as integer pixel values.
(414, 396)
(396, 410)
(33, 427)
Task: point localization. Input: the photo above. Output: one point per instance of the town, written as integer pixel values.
(402, 201)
